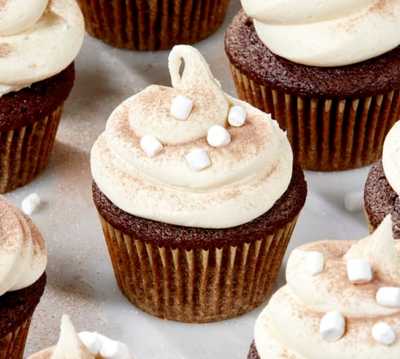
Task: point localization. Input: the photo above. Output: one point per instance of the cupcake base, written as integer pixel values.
(199, 275)
(380, 200)
(12, 346)
(29, 121)
(336, 118)
(152, 25)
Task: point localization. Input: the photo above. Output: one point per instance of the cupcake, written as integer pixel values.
(198, 196)
(38, 44)
(342, 300)
(329, 74)
(152, 25)
(382, 189)
(22, 278)
(85, 345)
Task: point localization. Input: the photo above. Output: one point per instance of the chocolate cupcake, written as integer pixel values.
(382, 189)
(323, 74)
(22, 279)
(152, 25)
(38, 45)
(198, 197)
(85, 345)
(341, 300)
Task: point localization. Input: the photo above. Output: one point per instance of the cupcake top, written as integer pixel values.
(391, 157)
(342, 299)
(85, 345)
(191, 155)
(38, 39)
(23, 253)
(326, 33)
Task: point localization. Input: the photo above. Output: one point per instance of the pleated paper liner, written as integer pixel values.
(196, 285)
(12, 346)
(326, 134)
(152, 24)
(25, 151)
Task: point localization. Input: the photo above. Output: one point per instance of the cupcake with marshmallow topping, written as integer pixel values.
(39, 40)
(198, 196)
(382, 189)
(342, 299)
(23, 258)
(85, 345)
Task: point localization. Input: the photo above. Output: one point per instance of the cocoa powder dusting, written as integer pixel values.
(5, 49)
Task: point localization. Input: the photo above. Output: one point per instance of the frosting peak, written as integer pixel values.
(23, 254)
(289, 326)
(154, 164)
(326, 33)
(391, 157)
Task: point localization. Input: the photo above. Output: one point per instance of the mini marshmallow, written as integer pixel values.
(359, 271)
(354, 201)
(237, 116)
(315, 262)
(198, 159)
(218, 136)
(30, 204)
(92, 341)
(114, 350)
(383, 333)
(332, 326)
(388, 297)
(181, 107)
(150, 145)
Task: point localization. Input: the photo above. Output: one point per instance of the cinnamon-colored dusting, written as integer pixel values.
(5, 49)
(3, 4)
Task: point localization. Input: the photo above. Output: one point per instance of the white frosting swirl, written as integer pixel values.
(245, 178)
(38, 39)
(391, 157)
(326, 33)
(289, 326)
(23, 254)
(71, 346)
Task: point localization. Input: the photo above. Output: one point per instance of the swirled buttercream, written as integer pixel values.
(391, 158)
(71, 345)
(23, 254)
(326, 33)
(38, 39)
(289, 326)
(243, 180)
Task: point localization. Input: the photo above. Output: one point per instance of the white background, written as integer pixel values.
(80, 278)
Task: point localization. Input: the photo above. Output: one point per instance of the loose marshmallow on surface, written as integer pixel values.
(103, 346)
(354, 201)
(30, 204)
(181, 107)
(150, 145)
(383, 333)
(237, 116)
(332, 326)
(359, 271)
(315, 262)
(198, 159)
(388, 297)
(218, 136)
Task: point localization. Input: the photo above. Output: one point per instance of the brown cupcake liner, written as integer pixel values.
(196, 285)
(25, 151)
(152, 25)
(12, 346)
(326, 134)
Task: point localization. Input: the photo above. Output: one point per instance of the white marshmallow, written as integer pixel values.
(150, 145)
(181, 107)
(354, 201)
(237, 116)
(388, 297)
(30, 204)
(198, 159)
(332, 326)
(315, 262)
(218, 136)
(383, 333)
(359, 271)
(92, 341)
